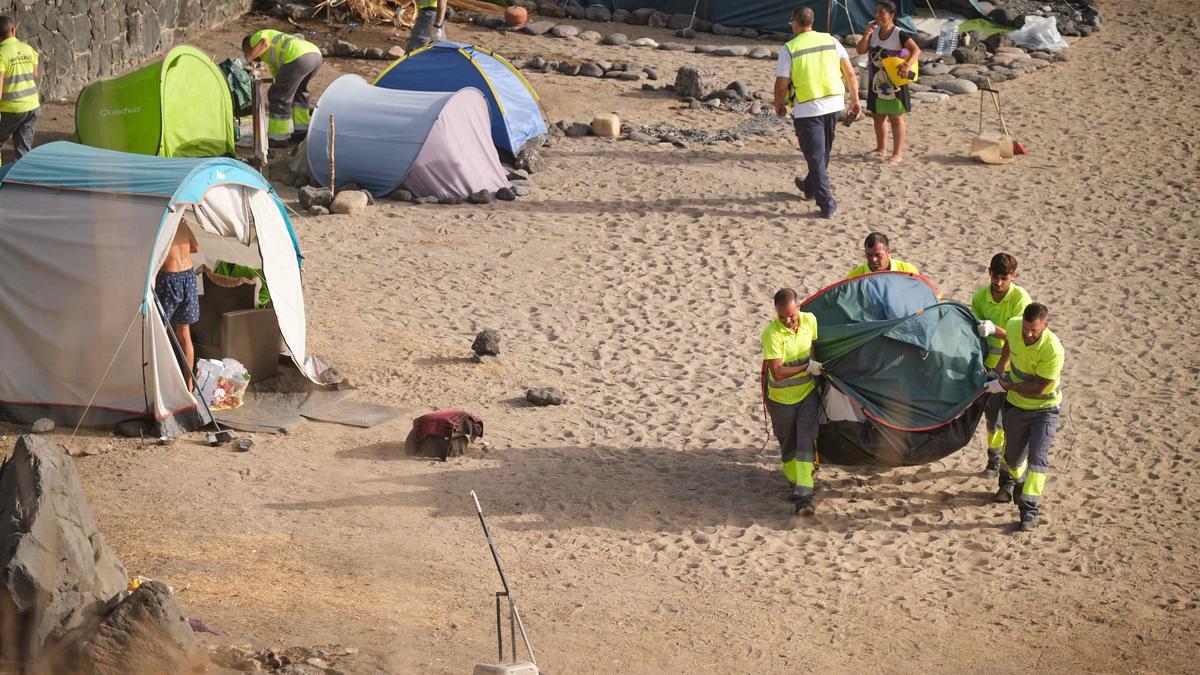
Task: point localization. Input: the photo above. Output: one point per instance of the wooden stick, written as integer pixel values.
(332, 181)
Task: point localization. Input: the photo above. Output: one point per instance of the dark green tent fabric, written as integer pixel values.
(239, 86)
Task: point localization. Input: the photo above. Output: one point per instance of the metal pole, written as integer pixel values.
(512, 603)
(332, 179)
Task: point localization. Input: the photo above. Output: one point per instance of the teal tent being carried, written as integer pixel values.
(904, 373)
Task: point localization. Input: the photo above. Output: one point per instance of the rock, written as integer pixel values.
(694, 104)
(318, 211)
(146, 633)
(1062, 56)
(58, 574)
(135, 428)
(490, 21)
(606, 125)
(486, 342)
(651, 74)
(759, 53)
(350, 202)
(375, 53)
(851, 41)
(935, 69)
(452, 200)
(926, 41)
(568, 68)
(538, 27)
(650, 86)
(481, 197)
(299, 181)
(614, 39)
(640, 17)
(578, 130)
(591, 70)
(686, 33)
(506, 194)
(551, 9)
(958, 87)
(564, 31)
(536, 63)
(401, 195)
(673, 47)
(42, 425)
(530, 160)
(644, 42)
(426, 200)
(589, 35)
(544, 396)
(750, 33)
(995, 42)
(695, 82)
(629, 77)
(620, 16)
(930, 97)
(736, 50)
(574, 11)
(723, 95)
(973, 53)
(641, 137)
(721, 29)
(659, 20)
(598, 13)
(344, 49)
(739, 88)
(704, 49)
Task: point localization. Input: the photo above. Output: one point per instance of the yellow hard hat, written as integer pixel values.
(891, 66)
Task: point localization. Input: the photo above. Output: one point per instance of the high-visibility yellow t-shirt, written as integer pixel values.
(1043, 358)
(1011, 306)
(284, 48)
(795, 348)
(896, 266)
(20, 88)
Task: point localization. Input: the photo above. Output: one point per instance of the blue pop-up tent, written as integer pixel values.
(451, 66)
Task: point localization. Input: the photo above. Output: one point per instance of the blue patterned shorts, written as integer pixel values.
(177, 293)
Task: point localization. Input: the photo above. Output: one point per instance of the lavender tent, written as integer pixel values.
(435, 144)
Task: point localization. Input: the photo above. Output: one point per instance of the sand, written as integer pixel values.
(644, 526)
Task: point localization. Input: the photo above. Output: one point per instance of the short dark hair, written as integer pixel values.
(785, 295)
(887, 6)
(1036, 311)
(876, 238)
(7, 25)
(803, 16)
(1003, 263)
(246, 43)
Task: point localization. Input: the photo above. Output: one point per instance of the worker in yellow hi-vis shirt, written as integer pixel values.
(1032, 361)
(293, 62)
(878, 252)
(789, 369)
(20, 105)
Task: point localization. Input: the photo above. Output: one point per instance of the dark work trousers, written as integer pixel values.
(1027, 438)
(19, 125)
(424, 30)
(816, 142)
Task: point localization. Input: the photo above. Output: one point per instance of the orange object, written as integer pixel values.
(515, 16)
(1019, 149)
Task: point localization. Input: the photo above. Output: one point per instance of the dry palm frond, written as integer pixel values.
(398, 12)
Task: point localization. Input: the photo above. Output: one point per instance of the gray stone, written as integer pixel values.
(350, 202)
(578, 129)
(958, 87)
(489, 21)
(506, 194)
(42, 425)
(567, 68)
(644, 42)
(426, 200)
(702, 26)
(935, 69)
(591, 70)
(401, 195)
(659, 20)
(721, 29)
(544, 396)
(145, 633)
(375, 53)
(58, 575)
(620, 16)
(598, 13)
(736, 50)
(686, 33)
(574, 11)
(589, 35)
(481, 197)
(650, 86)
(536, 63)
(673, 47)
(344, 49)
(973, 53)
(640, 17)
(629, 76)
(604, 65)
(564, 31)
(297, 11)
(750, 33)
(740, 88)
(695, 82)
(614, 39)
(518, 174)
(996, 41)
(760, 53)
(522, 190)
(641, 137)
(679, 21)
(704, 49)
(452, 200)
(537, 27)
(530, 160)
(487, 342)
(651, 74)
(552, 9)
(318, 211)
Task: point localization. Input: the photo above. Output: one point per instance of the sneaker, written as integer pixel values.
(804, 507)
(1028, 523)
(828, 213)
(804, 194)
(1004, 495)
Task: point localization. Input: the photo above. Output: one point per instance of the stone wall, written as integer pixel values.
(83, 40)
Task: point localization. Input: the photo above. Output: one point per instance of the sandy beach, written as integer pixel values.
(644, 525)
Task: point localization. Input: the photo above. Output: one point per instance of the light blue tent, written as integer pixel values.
(450, 66)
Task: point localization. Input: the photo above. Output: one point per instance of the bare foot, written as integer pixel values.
(878, 152)
(894, 159)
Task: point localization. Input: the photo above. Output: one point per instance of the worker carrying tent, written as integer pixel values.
(904, 374)
(177, 107)
(840, 17)
(433, 144)
(83, 233)
(449, 66)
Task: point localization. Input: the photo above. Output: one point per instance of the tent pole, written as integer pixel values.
(332, 182)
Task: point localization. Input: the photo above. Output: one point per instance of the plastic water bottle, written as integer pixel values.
(948, 37)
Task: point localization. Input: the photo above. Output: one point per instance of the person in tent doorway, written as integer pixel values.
(788, 390)
(995, 304)
(20, 105)
(429, 26)
(813, 74)
(886, 101)
(1032, 363)
(292, 62)
(175, 287)
(879, 258)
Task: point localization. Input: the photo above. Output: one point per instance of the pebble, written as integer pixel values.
(544, 396)
(591, 70)
(644, 42)
(522, 190)
(630, 77)
(42, 426)
(704, 49)
(736, 50)
(651, 74)
(567, 68)
(760, 53)
(481, 197)
(615, 39)
(564, 31)
(506, 194)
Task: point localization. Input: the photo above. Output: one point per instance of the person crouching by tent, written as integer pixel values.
(20, 106)
(292, 62)
(788, 390)
(175, 288)
(429, 26)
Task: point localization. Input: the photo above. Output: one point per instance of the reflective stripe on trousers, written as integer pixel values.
(279, 128)
(796, 428)
(1028, 436)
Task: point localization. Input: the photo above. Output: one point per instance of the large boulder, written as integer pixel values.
(57, 574)
(350, 202)
(640, 17)
(976, 52)
(599, 13)
(146, 633)
(696, 82)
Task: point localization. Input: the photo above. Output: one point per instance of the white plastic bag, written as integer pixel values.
(1039, 32)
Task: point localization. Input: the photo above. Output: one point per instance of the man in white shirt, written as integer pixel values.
(813, 75)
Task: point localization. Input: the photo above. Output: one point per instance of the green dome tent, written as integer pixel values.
(904, 373)
(177, 107)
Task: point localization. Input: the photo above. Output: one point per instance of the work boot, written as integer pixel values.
(1028, 523)
(804, 507)
(1003, 495)
(804, 194)
(992, 470)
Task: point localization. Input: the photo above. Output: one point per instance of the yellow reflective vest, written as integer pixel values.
(816, 68)
(284, 48)
(20, 88)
